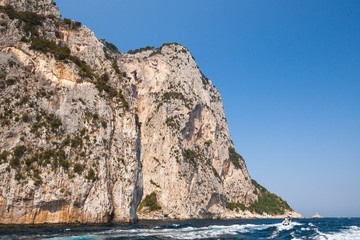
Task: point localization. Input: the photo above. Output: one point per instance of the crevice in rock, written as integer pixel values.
(108, 174)
(216, 198)
(188, 130)
(138, 178)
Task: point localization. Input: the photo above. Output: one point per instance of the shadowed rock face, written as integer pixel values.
(189, 128)
(86, 133)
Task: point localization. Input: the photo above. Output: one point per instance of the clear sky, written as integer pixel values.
(289, 76)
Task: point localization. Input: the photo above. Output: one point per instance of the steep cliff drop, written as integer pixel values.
(90, 135)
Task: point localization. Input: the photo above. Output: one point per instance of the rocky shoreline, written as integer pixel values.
(154, 218)
(228, 215)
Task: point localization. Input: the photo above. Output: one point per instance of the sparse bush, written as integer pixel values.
(111, 47)
(77, 24)
(10, 82)
(62, 159)
(78, 168)
(91, 175)
(216, 173)
(23, 100)
(72, 24)
(67, 21)
(38, 182)
(154, 183)
(19, 151)
(233, 206)
(19, 176)
(65, 142)
(116, 67)
(121, 160)
(175, 95)
(83, 131)
(151, 202)
(55, 123)
(173, 122)
(140, 50)
(103, 123)
(3, 156)
(208, 143)
(76, 142)
(235, 158)
(190, 156)
(157, 51)
(82, 101)
(102, 85)
(29, 161)
(14, 162)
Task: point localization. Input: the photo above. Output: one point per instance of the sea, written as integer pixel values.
(327, 228)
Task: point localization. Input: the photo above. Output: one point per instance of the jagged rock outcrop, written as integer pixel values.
(43, 7)
(87, 133)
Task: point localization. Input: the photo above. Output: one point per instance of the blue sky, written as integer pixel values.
(289, 76)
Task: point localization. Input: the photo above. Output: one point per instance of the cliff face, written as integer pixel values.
(87, 133)
(185, 142)
(69, 152)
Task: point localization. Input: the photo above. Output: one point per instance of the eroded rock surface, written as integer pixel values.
(88, 133)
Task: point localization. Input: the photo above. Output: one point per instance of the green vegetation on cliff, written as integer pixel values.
(235, 158)
(30, 25)
(147, 48)
(151, 202)
(235, 206)
(267, 203)
(30, 20)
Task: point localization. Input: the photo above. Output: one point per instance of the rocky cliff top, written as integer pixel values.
(42, 7)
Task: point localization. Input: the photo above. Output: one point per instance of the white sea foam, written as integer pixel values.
(292, 234)
(306, 229)
(212, 231)
(195, 233)
(351, 233)
(217, 231)
(280, 227)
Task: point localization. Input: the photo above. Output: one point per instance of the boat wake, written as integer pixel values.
(188, 231)
(348, 233)
(326, 229)
(213, 231)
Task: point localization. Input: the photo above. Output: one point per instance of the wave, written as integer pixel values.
(280, 227)
(212, 231)
(349, 233)
(187, 231)
(261, 229)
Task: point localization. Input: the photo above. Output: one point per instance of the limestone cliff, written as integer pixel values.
(88, 134)
(185, 143)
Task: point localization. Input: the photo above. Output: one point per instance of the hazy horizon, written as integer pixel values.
(289, 76)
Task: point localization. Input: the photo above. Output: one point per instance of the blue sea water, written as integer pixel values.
(327, 228)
